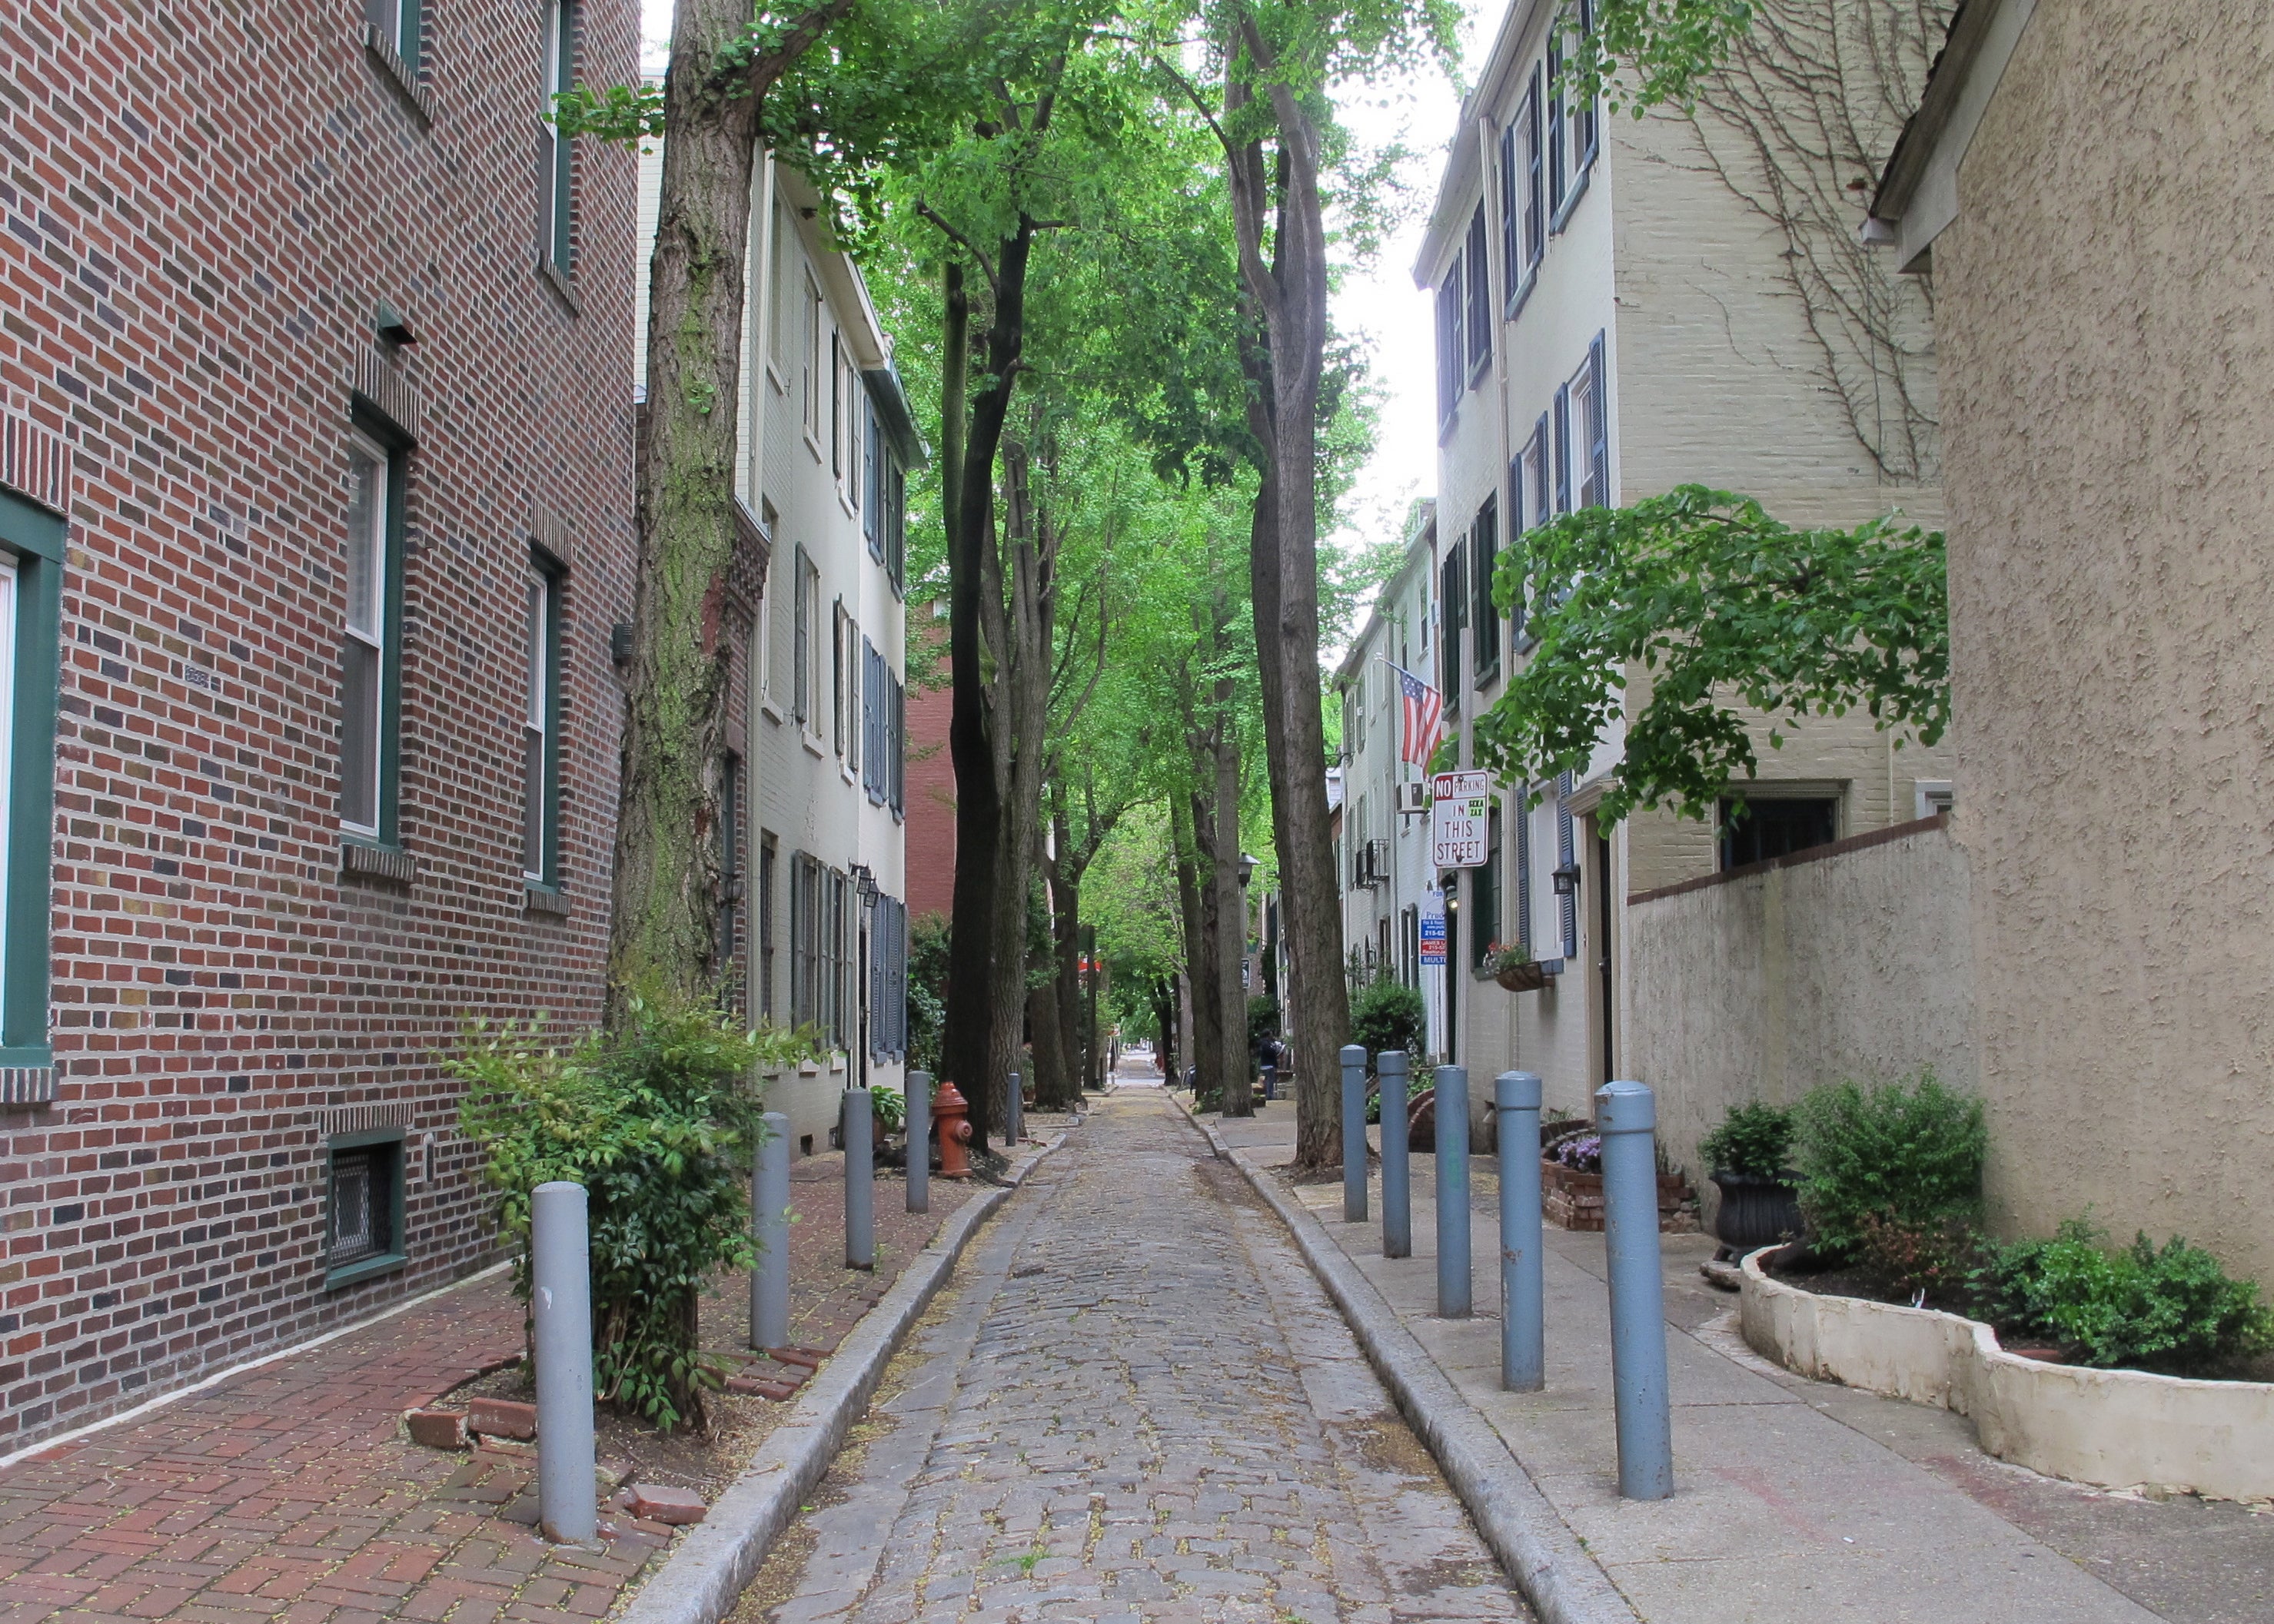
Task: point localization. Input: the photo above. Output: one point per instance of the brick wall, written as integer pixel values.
(930, 786)
(202, 205)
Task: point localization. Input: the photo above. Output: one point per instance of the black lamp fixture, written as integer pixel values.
(1247, 869)
(864, 881)
(1566, 876)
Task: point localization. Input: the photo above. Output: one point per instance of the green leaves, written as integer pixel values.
(1665, 47)
(1705, 604)
(659, 1124)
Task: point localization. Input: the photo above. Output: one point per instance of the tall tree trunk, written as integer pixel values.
(1231, 910)
(1066, 941)
(1203, 1020)
(978, 805)
(1164, 1022)
(1289, 293)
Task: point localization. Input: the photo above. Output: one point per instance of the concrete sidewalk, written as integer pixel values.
(1795, 1500)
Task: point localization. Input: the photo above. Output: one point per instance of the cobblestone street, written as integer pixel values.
(1137, 1405)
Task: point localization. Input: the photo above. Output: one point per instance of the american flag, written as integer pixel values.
(1425, 719)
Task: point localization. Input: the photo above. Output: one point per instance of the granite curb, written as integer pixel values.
(700, 1581)
(1536, 1547)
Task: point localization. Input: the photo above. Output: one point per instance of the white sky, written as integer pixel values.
(1378, 301)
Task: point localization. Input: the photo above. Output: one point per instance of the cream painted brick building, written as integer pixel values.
(1639, 327)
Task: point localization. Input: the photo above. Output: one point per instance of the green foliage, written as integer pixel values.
(659, 1124)
(1754, 1140)
(889, 1104)
(928, 958)
(1721, 605)
(1927, 1262)
(1263, 1019)
(1906, 1151)
(1665, 48)
(1389, 1015)
(2172, 1309)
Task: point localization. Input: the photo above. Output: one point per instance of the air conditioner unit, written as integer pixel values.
(1413, 800)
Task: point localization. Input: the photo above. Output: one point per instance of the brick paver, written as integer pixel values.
(1139, 1405)
(289, 1492)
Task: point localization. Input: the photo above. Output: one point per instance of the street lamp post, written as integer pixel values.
(864, 881)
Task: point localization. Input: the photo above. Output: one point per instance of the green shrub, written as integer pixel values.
(1753, 1142)
(1389, 1015)
(1933, 1264)
(2173, 1310)
(1910, 1153)
(659, 1124)
(927, 960)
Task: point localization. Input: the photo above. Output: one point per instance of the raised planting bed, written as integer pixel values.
(2111, 1427)
(1571, 1200)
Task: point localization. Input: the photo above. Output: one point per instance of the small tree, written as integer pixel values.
(1718, 606)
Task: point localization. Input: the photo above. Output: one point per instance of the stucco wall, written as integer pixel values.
(1765, 984)
(2106, 302)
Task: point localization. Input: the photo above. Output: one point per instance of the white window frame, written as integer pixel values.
(559, 67)
(537, 740)
(363, 447)
(10, 603)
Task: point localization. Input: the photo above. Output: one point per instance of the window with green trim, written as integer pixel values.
(540, 730)
(401, 24)
(372, 641)
(363, 1206)
(560, 78)
(31, 611)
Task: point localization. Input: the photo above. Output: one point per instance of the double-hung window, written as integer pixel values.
(1573, 127)
(540, 728)
(1527, 506)
(1524, 234)
(839, 635)
(768, 859)
(369, 648)
(559, 77)
(30, 605)
(1589, 434)
(1484, 891)
(895, 524)
(1479, 283)
(805, 607)
(1452, 342)
(872, 506)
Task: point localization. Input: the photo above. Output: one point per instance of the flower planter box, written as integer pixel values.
(1522, 978)
(2113, 1427)
(1570, 1199)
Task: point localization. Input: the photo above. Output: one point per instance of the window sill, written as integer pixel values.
(813, 445)
(1447, 424)
(385, 1263)
(813, 745)
(1562, 216)
(362, 860)
(781, 383)
(397, 74)
(557, 279)
(772, 712)
(1522, 295)
(1478, 368)
(28, 1076)
(548, 900)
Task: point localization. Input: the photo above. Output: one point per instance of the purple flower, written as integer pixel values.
(1582, 1152)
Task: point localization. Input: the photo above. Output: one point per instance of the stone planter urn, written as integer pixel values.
(1755, 1211)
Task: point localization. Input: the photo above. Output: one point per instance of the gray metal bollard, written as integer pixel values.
(919, 1129)
(1397, 1191)
(561, 1304)
(770, 1229)
(1014, 1121)
(1452, 1115)
(1523, 1341)
(1353, 1133)
(1629, 1118)
(859, 1107)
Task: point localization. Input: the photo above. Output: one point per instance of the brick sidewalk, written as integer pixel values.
(289, 1492)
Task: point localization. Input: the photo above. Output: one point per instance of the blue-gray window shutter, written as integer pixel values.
(1568, 903)
(1562, 458)
(1524, 864)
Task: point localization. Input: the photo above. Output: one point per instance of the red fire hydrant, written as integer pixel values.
(950, 1110)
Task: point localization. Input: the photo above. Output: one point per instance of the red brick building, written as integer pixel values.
(931, 788)
(315, 513)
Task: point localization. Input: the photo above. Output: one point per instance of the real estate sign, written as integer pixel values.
(1433, 934)
(1459, 819)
